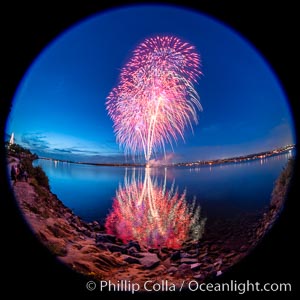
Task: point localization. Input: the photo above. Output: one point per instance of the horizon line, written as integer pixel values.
(210, 161)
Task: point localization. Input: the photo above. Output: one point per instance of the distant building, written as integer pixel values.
(12, 139)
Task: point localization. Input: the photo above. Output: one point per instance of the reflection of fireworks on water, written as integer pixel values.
(155, 99)
(146, 211)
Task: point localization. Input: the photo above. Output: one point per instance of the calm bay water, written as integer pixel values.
(221, 191)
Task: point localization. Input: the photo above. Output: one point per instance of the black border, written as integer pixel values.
(26, 28)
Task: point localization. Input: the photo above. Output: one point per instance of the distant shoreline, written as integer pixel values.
(238, 159)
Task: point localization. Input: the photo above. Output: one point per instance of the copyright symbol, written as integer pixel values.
(91, 285)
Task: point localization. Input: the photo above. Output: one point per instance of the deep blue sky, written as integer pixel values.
(59, 108)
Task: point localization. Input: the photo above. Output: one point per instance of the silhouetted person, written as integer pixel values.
(25, 175)
(14, 173)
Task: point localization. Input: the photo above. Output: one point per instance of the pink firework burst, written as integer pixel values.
(155, 216)
(155, 99)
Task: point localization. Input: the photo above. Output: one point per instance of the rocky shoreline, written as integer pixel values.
(88, 249)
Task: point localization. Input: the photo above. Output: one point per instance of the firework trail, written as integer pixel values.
(146, 211)
(155, 99)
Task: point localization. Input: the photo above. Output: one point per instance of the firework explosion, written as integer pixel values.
(155, 99)
(146, 211)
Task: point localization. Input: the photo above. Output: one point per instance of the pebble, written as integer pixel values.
(196, 266)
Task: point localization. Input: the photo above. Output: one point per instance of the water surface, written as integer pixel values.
(221, 191)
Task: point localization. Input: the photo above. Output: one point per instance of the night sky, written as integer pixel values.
(59, 107)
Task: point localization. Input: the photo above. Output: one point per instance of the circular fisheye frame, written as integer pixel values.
(162, 150)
